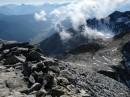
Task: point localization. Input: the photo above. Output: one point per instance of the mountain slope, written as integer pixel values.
(61, 46)
(117, 22)
(104, 57)
(21, 27)
(26, 72)
(110, 60)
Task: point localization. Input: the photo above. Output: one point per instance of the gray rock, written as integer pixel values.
(54, 68)
(26, 69)
(21, 58)
(6, 51)
(34, 56)
(15, 83)
(57, 92)
(62, 81)
(16, 94)
(50, 62)
(4, 92)
(20, 49)
(31, 79)
(49, 82)
(2, 84)
(14, 44)
(11, 60)
(35, 87)
(41, 93)
(40, 66)
(67, 74)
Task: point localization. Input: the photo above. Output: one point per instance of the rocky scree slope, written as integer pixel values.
(110, 58)
(26, 72)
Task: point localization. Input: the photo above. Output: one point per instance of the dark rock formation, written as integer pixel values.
(126, 63)
(117, 22)
(89, 47)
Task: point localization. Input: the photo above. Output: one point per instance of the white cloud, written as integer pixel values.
(94, 34)
(78, 11)
(40, 16)
(65, 35)
(55, 13)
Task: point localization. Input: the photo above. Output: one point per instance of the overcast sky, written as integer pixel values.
(2, 2)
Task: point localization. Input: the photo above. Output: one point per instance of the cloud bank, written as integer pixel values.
(40, 16)
(65, 35)
(78, 11)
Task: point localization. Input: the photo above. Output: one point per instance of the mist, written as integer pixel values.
(77, 12)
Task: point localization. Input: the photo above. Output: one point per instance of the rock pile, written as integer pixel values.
(25, 72)
(40, 76)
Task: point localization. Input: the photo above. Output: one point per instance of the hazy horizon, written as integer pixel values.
(31, 2)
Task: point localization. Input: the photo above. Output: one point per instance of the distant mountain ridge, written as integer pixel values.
(112, 22)
(18, 22)
(12, 9)
(21, 27)
(117, 22)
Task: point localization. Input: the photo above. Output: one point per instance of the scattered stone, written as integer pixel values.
(84, 94)
(50, 62)
(62, 81)
(56, 92)
(31, 79)
(55, 69)
(26, 69)
(6, 51)
(34, 56)
(40, 66)
(41, 93)
(11, 45)
(2, 68)
(35, 87)
(68, 75)
(21, 58)
(14, 83)
(4, 92)
(11, 60)
(50, 82)
(43, 58)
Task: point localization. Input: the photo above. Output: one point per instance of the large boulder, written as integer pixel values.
(34, 56)
(14, 59)
(16, 44)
